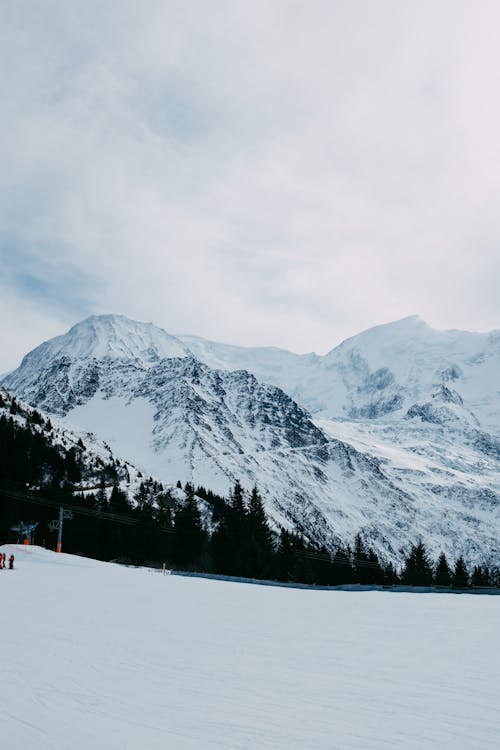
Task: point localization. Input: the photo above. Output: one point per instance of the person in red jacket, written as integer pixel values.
(11, 562)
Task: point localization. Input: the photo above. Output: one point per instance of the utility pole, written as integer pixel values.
(58, 525)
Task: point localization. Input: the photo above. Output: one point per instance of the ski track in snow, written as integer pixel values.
(98, 656)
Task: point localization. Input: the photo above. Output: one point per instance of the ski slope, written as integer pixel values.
(94, 655)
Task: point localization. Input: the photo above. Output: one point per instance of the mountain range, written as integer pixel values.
(394, 434)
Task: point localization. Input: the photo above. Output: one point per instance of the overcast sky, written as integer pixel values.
(257, 172)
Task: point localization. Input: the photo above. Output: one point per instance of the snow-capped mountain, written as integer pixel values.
(402, 441)
(381, 372)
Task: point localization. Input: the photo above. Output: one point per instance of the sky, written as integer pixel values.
(261, 173)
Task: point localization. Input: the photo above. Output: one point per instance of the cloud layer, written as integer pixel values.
(279, 173)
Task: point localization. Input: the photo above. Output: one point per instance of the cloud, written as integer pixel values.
(279, 173)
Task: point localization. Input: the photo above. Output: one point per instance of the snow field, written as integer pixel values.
(94, 655)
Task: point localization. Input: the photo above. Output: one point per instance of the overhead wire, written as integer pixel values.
(79, 510)
(120, 518)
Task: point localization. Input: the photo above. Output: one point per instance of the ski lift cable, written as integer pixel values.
(88, 512)
(118, 518)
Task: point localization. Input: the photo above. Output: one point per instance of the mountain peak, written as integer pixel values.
(114, 336)
(409, 327)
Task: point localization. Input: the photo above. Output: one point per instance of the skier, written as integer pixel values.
(11, 562)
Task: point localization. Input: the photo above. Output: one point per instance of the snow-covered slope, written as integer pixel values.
(95, 456)
(403, 441)
(381, 372)
(269, 364)
(98, 656)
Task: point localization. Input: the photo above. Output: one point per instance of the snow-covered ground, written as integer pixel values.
(94, 655)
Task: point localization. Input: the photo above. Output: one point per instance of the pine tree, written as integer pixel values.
(366, 564)
(460, 574)
(230, 545)
(417, 570)
(189, 534)
(166, 504)
(479, 577)
(359, 560)
(442, 574)
(260, 538)
(101, 497)
(118, 501)
(293, 559)
(73, 470)
(342, 570)
(391, 577)
(144, 503)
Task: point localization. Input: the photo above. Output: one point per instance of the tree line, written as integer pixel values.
(188, 528)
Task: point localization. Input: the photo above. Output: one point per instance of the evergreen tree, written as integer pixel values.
(479, 577)
(260, 538)
(342, 571)
(144, 503)
(367, 568)
(417, 570)
(460, 574)
(285, 558)
(391, 577)
(293, 560)
(442, 574)
(118, 501)
(101, 497)
(73, 470)
(320, 560)
(359, 560)
(166, 504)
(189, 534)
(230, 545)
(376, 570)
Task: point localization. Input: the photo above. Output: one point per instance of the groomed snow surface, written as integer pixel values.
(94, 655)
